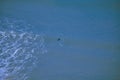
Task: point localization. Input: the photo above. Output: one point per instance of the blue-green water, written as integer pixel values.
(88, 48)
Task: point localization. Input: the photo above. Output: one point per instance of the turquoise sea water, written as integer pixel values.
(59, 40)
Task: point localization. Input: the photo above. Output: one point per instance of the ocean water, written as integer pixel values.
(19, 49)
(59, 40)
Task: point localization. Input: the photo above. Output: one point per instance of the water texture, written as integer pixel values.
(19, 48)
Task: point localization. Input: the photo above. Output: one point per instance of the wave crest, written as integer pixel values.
(19, 51)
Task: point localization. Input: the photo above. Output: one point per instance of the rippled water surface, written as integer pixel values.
(80, 39)
(19, 48)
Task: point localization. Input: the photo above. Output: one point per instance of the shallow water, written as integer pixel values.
(88, 48)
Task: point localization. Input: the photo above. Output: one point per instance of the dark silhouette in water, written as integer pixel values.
(58, 39)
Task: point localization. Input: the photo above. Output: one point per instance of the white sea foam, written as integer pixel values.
(19, 50)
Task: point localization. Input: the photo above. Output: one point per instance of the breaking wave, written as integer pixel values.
(19, 49)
